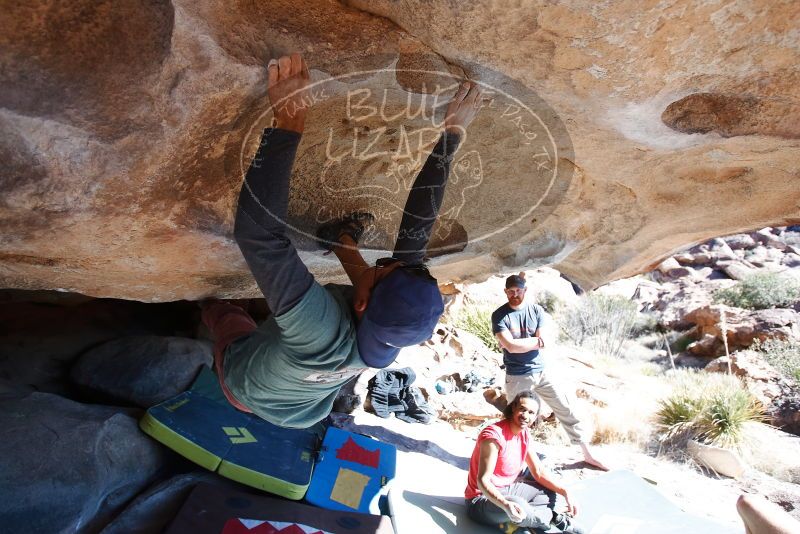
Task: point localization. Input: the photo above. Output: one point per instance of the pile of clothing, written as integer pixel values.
(391, 392)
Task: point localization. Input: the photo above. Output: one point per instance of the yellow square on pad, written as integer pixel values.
(349, 487)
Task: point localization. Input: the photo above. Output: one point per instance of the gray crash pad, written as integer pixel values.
(621, 502)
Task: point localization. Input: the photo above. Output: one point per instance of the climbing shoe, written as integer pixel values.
(565, 524)
(353, 225)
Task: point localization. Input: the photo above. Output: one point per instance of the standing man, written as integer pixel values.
(517, 325)
(289, 370)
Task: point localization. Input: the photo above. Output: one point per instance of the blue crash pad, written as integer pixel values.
(352, 473)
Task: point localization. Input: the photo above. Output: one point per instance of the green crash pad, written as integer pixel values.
(201, 426)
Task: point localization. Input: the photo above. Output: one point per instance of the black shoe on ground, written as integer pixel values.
(565, 524)
(353, 225)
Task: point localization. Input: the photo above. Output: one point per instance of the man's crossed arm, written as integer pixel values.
(519, 346)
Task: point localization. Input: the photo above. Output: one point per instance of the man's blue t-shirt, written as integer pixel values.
(521, 323)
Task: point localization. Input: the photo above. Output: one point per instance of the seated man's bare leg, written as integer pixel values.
(763, 517)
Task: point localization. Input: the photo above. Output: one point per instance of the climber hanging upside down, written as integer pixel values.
(289, 370)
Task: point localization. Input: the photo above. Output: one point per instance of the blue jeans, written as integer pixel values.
(260, 228)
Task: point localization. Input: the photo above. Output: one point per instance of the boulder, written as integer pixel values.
(785, 411)
(720, 250)
(126, 132)
(791, 260)
(684, 258)
(702, 273)
(779, 396)
(773, 452)
(668, 265)
(707, 345)
(646, 295)
(787, 496)
(43, 336)
(737, 269)
(762, 256)
(740, 241)
(757, 256)
(723, 461)
(746, 364)
(142, 370)
(791, 236)
(743, 326)
(763, 381)
(677, 300)
(70, 467)
(702, 257)
(768, 238)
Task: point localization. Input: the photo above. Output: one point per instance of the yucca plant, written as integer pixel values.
(712, 409)
(676, 415)
(722, 420)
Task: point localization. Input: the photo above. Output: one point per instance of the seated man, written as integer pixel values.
(289, 370)
(494, 495)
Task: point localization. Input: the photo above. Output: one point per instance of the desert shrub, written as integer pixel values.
(549, 301)
(646, 323)
(477, 320)
(783, 355)
(602, 322)
(549, 432)
(710, 408)
(681, 343)
(760, 291)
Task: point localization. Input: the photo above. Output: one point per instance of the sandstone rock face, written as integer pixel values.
(743, 327)
(125, 129)
(687, 281)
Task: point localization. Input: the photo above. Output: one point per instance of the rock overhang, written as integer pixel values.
(125, 162)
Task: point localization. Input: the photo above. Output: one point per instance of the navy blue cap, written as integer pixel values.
(403, 311)
(515, 280)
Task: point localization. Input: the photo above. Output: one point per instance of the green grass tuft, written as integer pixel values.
(783, 355)
(477, 320)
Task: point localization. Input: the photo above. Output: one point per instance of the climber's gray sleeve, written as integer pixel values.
(260, 226)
